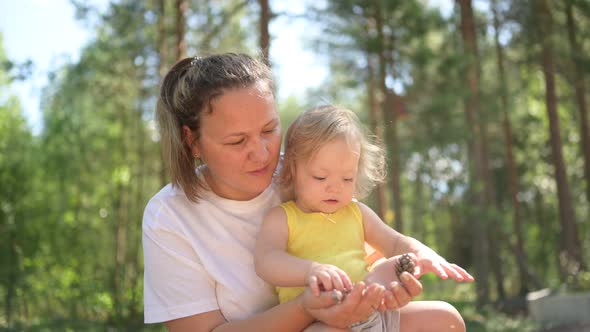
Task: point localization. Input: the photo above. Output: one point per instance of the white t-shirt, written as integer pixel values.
(199, 257)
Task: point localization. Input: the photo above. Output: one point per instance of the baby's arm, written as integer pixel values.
(391, 243)
(279, 268)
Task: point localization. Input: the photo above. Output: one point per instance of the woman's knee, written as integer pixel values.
(321, 327)
(422, 316)
(452, 318)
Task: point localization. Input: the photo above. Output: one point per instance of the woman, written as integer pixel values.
(218, 113)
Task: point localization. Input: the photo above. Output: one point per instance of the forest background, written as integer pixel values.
(483, 112)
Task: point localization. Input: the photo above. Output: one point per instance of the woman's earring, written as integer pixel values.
(198, 159)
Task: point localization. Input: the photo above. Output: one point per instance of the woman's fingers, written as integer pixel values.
(389, 300)
(411, 284)
(401, 293)
(371, 300)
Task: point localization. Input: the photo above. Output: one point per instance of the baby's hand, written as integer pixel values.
(430, 261)
(325, 277)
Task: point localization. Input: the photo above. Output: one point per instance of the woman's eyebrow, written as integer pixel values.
(274, 121)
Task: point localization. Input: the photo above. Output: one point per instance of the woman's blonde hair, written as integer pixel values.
(188, 90)
(318, 126)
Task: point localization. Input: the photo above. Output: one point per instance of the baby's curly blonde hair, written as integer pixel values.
(320, 125)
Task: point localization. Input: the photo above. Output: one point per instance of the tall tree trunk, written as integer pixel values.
(570, 255)
(518, 246)
(161, 40)
(477, 169)
(181, 9)
(373, 122)
(389, 117)
(547, 238)
(265, 16)
(580, 88)
(162, 64)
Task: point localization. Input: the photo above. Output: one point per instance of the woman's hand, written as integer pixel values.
(356, 306)
(430, 261)
(400, 293)
(326, 277)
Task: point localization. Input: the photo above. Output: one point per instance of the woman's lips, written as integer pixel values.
(260, 171)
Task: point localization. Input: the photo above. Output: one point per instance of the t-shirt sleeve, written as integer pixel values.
(176, 284)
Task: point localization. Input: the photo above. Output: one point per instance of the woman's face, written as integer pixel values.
(239, 143)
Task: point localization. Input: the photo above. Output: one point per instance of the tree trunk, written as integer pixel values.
(265, 16)
(518, 246)
(162, 47)
(570, 255)
(181, 9)
(374, 119)
(389, 119)
(162, 64)
(477, 168)
(580, 90)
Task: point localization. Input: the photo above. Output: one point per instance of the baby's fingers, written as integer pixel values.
(345, 280)
(325, 279)
(460, 274)
(313, 284)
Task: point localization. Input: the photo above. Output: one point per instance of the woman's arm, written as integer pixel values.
(294, 315)
(290, 316)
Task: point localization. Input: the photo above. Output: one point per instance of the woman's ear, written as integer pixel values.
(191, 141)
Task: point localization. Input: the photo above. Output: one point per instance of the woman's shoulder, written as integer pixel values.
(160, 210)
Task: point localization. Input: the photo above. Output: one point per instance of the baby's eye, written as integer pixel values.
(348, 179)
(319, 178)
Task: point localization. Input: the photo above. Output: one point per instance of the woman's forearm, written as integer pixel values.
(290, 316)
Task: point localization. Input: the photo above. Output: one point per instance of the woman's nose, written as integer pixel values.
(259, 150)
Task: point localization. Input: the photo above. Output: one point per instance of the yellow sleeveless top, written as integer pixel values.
(336, 239)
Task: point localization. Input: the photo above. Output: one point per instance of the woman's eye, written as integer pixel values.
(236, 143)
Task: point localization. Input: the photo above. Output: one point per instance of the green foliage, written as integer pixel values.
(490, 320)
(71, 198)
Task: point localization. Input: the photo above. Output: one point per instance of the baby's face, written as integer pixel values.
(326, 182)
